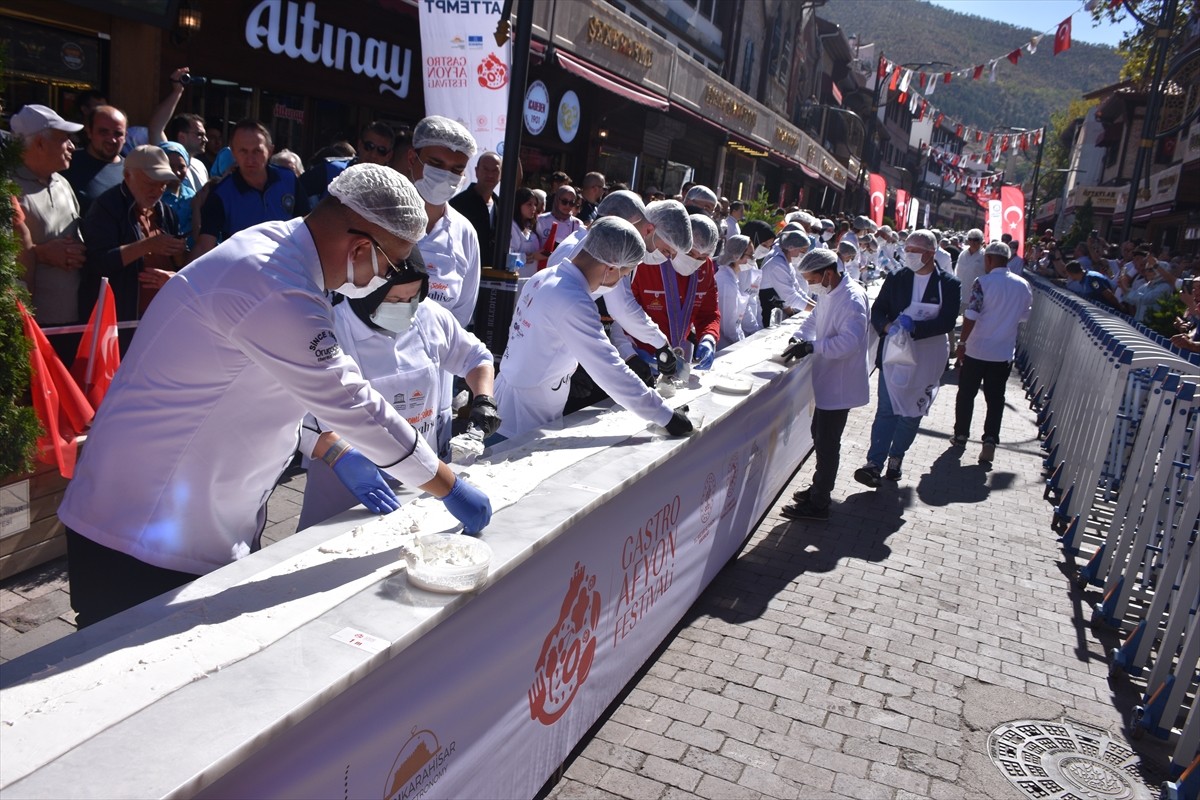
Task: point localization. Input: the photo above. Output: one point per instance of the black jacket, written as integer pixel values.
(896, 295)
(472, 206)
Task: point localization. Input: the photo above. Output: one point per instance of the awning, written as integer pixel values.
(810, 172)
(609, 82)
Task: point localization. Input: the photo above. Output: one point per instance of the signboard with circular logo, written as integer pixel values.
(537, 107)
(568, 117)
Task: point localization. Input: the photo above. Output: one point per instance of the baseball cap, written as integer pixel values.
(152, 162)
(998, 249)
(33, 119)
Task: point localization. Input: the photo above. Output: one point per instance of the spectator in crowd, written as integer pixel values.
(591, 191)
(835, 336)
(479, 203)
(376, 144)
(780, 286)
(132, 238)
(51, 213)
(214, 142)
(654, 193)
(942, 256)
(999, 302)
(288, 160)
(1188, 338)
(179, 195)
(187, 129)
(257, 191)
(524, 240)
(435, 159)
(558, 180)
(556, 327)
(539, 197)
(969, 265)
(1135, 272)
(733, 220)
(560, 221)
(88, 101)
(1016, 264)
(680, 296)
(1090, 285)
(923, 301)
(97, 167)
(950, 245)
(1160, 283)
(738, 318)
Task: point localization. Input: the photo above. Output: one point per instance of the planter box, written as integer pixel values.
(30, 533)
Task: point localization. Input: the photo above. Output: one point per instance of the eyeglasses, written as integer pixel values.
(568, 203)
(371, 147)
(392, 268)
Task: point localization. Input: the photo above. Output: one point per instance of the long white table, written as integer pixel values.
(313, 669)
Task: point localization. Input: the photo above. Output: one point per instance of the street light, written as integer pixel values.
(1062, 202)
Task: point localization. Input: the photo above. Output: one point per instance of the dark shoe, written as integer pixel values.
(987, 453)
(958, 440)
(868, 476)
(893, 469)
(805, 510)
(801, 496)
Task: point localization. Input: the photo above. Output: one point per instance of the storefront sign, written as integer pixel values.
(49, 52)
(1163, 187)
(727, 104)
(1190, 145)
(619, 41)
(1102, 197)
(568, 117)
(285, 112)
(786, 138)
(537, 107)
(302, 36)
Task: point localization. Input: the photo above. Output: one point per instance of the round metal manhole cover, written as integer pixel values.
(1067, 760)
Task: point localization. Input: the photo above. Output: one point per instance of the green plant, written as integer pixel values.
(19, 427)
(1161, 318)
(763, 209)
(1085, 221)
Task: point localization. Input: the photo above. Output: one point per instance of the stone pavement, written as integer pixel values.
(867, 656)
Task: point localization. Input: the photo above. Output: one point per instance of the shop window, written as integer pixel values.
(618, 166)
(747, 66)
(708, 9)
(284, 114)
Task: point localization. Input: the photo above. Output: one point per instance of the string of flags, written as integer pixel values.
(980, 160)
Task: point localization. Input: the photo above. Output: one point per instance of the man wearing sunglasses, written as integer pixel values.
(375, 145)
(560, 218)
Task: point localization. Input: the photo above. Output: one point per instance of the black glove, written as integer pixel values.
(797, 350)
(679, 425)
(667, 363)
(641, 369)
(483, 414)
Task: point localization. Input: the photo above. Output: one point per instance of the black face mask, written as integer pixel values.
(411, 269)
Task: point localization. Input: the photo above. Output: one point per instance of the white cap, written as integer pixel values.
(817, 259)
(735, 247)
(33, 119)
(383, 196)
(998, 249)
(445, 132)
(613, 241)
(704, 234)
(624, 204)
(671, 224)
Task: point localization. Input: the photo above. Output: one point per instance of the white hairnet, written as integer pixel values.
(699, 192)
(671, 224)
(736, 247)
(791, 238)
(998, 249)
(804, 218)
(613, 241)
(704, 234)
(817, 259)
(862, 223)
(922, 240)
(624, 204)
(827, 224)
(445, 132)
(847, 248)
(975, 233)
(382, 196)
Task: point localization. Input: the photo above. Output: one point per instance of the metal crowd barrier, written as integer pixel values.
(1119, 418)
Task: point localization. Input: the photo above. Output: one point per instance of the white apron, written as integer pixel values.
(913, 389)
(415, 391)
(529, 407)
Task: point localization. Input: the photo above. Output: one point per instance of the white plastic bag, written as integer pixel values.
(898, 349)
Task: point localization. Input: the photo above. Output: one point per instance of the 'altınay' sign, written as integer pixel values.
(300, 35)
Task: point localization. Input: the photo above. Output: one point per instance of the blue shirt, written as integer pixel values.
(234, 205)
(1091, 285)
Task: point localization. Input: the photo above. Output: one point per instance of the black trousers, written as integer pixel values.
(994, 377)
(827, 427)
(105, 582)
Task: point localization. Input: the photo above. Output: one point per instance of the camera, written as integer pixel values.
(1185, 285)
(188, 79)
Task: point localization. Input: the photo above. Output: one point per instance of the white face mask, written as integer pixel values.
(602, 289)
(685, 265)
(437, 185)
(826, 236)
(761, 252)
(396, 317)
(350, 290)
(914, 260)
(795, 261)
(654, 257)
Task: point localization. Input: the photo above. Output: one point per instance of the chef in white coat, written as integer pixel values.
(556, 327)
(205, 412)
(739, 316)
(780, 287)
(402, 346)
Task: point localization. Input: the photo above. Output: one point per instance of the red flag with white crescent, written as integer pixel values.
(1012, 200)
(901, 207)
(878, 189)
(1062, 38)
(99, 352)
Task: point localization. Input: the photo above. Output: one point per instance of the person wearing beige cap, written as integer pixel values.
(132, 238)
(205, 411)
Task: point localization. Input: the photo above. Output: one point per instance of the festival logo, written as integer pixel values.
(568, 652)
(493, 74)
(731, 495)
(648, 568)
(568, 117)
(457, 43)
(418, 766)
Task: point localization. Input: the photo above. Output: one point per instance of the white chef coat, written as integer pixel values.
(406, 369)
(205, 412)
(566, 227)
(734, 304)
(969, 267)
(556, 328)
(999, 302)
(942, 258)
(451, 253)
(838, 332)
(777, 274)
(566, 248)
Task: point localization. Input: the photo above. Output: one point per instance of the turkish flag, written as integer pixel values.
(1062, 38)
(883, 66)
(99, 352)
(1012, 199)
(1015, 55)
(60, 406)
(946, 77)
(878, 189)
(901, 207)
(895, 81)
(978, 73)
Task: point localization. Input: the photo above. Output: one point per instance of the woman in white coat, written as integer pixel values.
(780, 285)
(739, 317)
(403, 346)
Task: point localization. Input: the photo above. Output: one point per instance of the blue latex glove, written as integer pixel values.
(360, 475)
(704, 355)
(906, 322)
(469, 506)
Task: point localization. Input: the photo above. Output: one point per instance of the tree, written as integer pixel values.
(1137, 46)
(1056, 156)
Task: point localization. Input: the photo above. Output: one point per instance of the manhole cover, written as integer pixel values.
(1067, 760)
